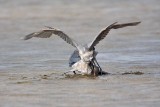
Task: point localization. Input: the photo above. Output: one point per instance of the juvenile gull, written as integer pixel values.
(83, 59)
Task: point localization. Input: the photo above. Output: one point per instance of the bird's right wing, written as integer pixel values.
(46, 33)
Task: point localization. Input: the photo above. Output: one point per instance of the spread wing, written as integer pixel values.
(48, 32)
(104, 32)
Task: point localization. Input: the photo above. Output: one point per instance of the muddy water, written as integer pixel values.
(31, 71)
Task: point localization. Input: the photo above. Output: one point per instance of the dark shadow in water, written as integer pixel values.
(78, 76)
(29, 80)
(131, 72)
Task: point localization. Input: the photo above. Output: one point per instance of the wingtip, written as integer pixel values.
(136, 23)
(25, 38)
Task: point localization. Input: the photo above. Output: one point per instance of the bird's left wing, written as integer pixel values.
(46, 33)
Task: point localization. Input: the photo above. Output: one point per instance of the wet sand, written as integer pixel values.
(31, 71)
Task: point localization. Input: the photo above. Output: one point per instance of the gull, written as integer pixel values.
(83, 60)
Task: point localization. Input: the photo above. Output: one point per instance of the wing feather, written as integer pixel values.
(104, 32)
(65, 37)
(48, 32)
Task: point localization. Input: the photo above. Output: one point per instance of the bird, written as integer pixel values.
(83, 59)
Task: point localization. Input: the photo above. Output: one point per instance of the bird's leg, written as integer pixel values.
(92, 66)
(100, 69)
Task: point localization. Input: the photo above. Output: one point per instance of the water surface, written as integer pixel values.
(31, 71)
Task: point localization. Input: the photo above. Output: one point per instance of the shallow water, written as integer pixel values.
(31, 71)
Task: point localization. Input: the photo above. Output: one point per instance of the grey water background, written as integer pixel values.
(31, 71)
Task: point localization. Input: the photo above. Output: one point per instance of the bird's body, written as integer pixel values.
(82, 67)
(83, 59)
(81, 62)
